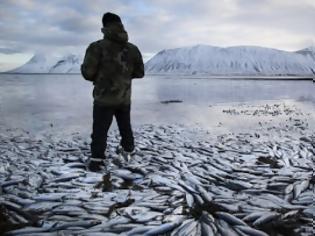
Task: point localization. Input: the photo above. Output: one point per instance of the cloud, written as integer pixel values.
(34, 25)
(280, 24)
(8, 51)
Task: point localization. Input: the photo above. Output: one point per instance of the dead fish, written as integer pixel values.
(49, 197)
(185, 228)
(96, 209)
(157, 180)
(81, 224)
(263, 203)
(141, 214)
(147, 217)
(163, 228)
(35, 180)
(198, 199)
(305, 200)
(59, 218)
(20, 201)
(206, 230)
(75, 165)
(229, 207)
(67, 177)
(69, 210)
(126, 174)
(67, 149)
(140, 230)
(265, 218)
(178, 210)
(288, 189)
(310, 212)
(238, 185)
(299, 187)
(71, 159)
(163, 189)
(189, 199)
(13, 182)
(41, 206)
(154, 207)
(27, 231)
(44, 234)
(206, 217)
(187, 187)
(204, 194)
(232, 220)
(290, 214)
(122, 228)
(225, 229)
(250, 231)
(97, 234)
(174, 217)
(253, 216)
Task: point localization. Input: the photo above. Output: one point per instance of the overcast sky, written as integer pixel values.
(28, 26)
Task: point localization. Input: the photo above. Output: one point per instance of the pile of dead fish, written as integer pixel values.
(263, 110)
(255, 183)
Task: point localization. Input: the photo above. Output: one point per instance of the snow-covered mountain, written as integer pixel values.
(197, 60)
(41, 63)
(310, 52)
(68, 64)
(240, 60)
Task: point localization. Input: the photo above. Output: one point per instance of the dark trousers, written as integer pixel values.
(102, 119)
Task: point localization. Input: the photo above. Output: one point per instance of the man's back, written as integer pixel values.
(111, 63)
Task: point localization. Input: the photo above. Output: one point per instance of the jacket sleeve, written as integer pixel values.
(91, 62)
(138, 71)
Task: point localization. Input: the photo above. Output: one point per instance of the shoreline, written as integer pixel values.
(200, 76)
(217, 118)
(240, 77)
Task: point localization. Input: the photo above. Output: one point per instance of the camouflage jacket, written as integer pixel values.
(111, 64)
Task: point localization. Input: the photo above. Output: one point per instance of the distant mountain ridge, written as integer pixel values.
(239, 60)
(41, 63)
(198, 60)
(68, 64)
(310, 51)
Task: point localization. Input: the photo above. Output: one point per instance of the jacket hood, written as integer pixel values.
(115, 32)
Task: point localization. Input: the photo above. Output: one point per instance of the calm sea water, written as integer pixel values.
(64, 102)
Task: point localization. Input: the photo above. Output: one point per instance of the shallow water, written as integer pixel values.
(64, 102)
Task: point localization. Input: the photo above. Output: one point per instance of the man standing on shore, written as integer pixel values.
(111, 63)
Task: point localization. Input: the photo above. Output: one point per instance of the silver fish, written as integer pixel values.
(225, 229)
(67, 177)
(265, 218)
(140, 230)
(250, 231)
(163, 228)
(189, 199)
(288, 189)
(232, 220)
(12, 182)
(206, 230)
(300, 187)
(83, 224)
(185, 228)
(253, 216)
